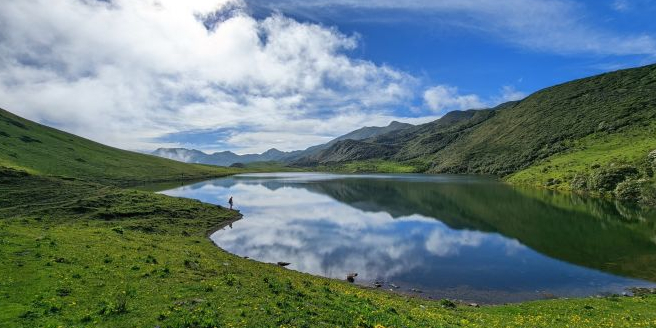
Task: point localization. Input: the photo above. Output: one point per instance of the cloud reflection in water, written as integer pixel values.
(289, 219)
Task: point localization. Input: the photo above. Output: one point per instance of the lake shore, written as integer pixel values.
(83, 254)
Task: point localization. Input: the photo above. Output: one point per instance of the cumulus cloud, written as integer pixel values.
(443, 98)
(556, 26)
(509, 93)
(127, 72)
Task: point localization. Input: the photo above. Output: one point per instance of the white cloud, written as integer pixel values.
(556, 26)
(126, 71)
(509, 93)
(443, 98)
(620, 5)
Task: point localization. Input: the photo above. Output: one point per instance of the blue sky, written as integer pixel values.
(250, 75)
(431, 45)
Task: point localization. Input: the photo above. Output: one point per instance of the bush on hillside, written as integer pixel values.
(629, 190)
(648, 196)
(606, 179)
(579, 182)
(651, 163)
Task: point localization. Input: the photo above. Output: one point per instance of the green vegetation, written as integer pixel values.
(270, 166)
(608, 164)
(374, 165)
(77, 254)
(34, 148)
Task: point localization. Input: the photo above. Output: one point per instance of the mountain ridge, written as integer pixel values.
(227, 158)
(515, 135)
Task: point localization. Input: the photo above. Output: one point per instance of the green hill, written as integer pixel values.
(589, 128)
(38, 149)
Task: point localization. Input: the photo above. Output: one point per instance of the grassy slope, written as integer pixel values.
(77, 253)
(550, 121)
(38, 149)
(629, 146)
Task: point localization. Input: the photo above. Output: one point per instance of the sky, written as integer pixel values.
(249, 75)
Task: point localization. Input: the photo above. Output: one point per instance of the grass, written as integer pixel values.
(31, 147)
(630, 146)
(87, 255)
(374, 165)
(270, 166)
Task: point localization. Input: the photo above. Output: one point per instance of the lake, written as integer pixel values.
(441, 236)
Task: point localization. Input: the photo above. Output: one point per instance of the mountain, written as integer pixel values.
(38, 149)
(227, 158)
(513, 136)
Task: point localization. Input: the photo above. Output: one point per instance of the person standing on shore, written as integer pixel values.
(230, 202)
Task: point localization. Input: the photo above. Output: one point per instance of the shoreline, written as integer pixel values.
(489, 297)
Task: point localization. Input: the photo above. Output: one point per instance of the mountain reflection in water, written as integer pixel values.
(461, 237)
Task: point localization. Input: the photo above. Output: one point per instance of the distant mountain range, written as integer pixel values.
(227, 158)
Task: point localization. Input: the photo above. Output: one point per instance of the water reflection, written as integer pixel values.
(450, 236)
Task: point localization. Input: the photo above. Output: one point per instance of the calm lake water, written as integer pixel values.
(460, 237)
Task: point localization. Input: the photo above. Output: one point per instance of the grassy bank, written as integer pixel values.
(79, 254)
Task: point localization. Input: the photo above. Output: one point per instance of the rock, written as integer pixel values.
(474, 305)
(394, 286)
(351, 276)
(283, 264)
(378, 284)
(447, 304)
(415, 290)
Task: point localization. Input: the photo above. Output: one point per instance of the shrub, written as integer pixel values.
(606, 179)
(552, 182)
(648, 196)
(579, 182)
(651, 163)
(652, 157)
(629, 190)
(118, 306)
